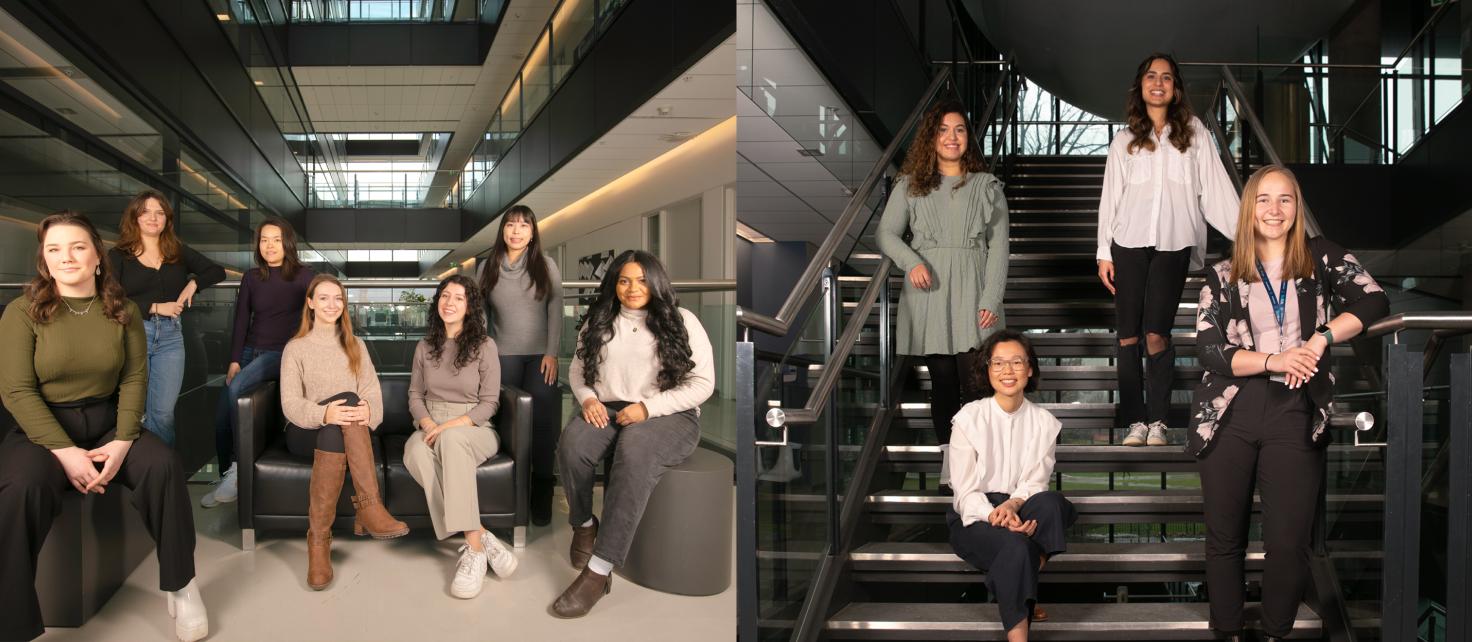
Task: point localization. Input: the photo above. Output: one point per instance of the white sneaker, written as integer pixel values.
(503, 562)
(470, 573)
(191, 622)
(227, 490)
(1157, 434)
(1137, 434)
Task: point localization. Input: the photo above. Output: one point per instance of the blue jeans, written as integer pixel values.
(256, 366)
(165, 375)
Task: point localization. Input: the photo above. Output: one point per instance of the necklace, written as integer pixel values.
(84, 311)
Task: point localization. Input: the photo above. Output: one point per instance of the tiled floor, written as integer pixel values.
(394, 590)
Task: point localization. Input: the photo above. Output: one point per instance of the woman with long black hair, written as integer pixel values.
(649, 408)
(75, 378)
(523, 289)
(1258, 416)
(955, 264)
(454, 391)
(161, 275)
(1163, 182)
(268, 309)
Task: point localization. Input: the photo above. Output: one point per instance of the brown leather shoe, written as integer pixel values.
(1038, 614)
(585, 591)
(581, 550)
(372, 518)
(322, 494)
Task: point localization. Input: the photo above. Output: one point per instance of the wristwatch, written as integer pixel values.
(1328, 334)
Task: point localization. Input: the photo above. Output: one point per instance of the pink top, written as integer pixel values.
(1264, 325)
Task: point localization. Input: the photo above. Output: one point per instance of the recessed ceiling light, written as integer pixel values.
(260, 83)
(223, 17)
(745, 232)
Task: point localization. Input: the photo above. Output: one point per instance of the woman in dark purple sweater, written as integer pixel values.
(267, 312)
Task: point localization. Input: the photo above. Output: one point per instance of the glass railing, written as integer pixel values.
(571, 31)
(383, 11)
(385, 188)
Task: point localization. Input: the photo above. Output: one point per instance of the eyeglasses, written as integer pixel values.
(999, 365)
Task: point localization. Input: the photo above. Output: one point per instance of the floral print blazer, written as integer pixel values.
(1223, 326)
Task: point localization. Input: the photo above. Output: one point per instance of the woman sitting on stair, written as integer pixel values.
(1004, 520)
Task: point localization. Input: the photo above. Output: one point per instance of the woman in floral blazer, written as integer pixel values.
(1259, 413)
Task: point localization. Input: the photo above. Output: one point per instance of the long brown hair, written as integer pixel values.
(130, 237)
(41, 290)
(290, 262)
(921, 162)
(1298, 263)
(344, 323)
(536, 264)
(472, 331)
(1178, 114)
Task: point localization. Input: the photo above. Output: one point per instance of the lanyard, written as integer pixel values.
(1279, 301)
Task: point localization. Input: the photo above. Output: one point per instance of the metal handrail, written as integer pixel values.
(781, 323)
(1245, 110)
(1444, 323)
(1425, 29)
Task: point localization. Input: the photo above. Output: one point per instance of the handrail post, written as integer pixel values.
(1402, 539)
(746, 569)
(831, 320)
(1459, 506)
(885, 357)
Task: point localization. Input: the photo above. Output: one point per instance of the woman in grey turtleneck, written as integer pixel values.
(524, 294)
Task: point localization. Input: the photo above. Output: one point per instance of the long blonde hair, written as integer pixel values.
(1298, 263)
(344, 322)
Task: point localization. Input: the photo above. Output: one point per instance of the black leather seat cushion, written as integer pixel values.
(282, 480)
(495, 485)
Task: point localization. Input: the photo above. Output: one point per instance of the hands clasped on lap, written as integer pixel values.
(595, 413)
(81, 469)
(1005, 516)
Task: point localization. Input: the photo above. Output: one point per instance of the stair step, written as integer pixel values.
(1083, 562)
(960, 621)
(1098, 506)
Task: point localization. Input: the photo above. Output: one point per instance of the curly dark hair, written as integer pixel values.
(473, 331)
(1178, 114)
(664, 322)
(922, 164)
(979, 376)
(41, 289)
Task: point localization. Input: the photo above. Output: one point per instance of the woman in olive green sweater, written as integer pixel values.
(74, 377)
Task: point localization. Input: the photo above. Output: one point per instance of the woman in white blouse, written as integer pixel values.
(1004, 520)
(1163, 182)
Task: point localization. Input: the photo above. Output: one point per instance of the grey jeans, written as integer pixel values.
(642, 452)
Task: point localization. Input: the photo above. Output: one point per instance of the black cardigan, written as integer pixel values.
(147, 286)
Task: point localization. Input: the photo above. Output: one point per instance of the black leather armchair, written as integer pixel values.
(273, 482)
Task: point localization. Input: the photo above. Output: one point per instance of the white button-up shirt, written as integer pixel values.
(994, 451)
(1164, 198)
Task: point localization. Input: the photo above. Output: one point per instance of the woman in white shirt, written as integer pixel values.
(1163, 183)
(1004, 520)
(641, 370)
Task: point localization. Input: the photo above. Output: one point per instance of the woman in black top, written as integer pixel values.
(161, 276)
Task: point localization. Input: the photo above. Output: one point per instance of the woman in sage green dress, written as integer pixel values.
(955, 263)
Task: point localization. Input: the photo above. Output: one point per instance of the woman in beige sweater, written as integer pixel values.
(329, 392)
(642, 368)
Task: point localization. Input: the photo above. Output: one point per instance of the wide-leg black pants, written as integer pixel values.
(32, 484)
(1010, 559)
(1263, 444)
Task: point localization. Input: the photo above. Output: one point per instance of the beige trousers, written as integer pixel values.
(446, 470)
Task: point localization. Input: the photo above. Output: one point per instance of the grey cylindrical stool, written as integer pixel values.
(683, 544)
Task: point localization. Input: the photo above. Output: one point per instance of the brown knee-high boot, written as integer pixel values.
(326, 487)
(372, 518)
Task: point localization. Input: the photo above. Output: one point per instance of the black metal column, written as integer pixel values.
(746, 568)
(1459, 508)
(1402, 493)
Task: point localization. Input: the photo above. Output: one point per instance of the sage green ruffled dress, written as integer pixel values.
(961, 234)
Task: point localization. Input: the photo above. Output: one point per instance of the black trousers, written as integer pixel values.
(1263, 443)
(524, 371)
(952, 385)
(1010, 559)
(301, 441)
(1147, 285)
(32, 485)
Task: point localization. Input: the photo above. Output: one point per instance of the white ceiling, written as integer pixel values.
(696, 101)
(784, 106)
